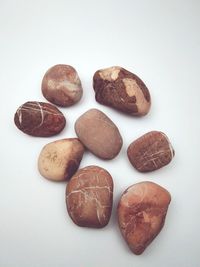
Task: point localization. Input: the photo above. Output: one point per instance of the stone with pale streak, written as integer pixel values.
(119, 88)
(141, 214)
(61, 85)
(89, 197)
(150, 152)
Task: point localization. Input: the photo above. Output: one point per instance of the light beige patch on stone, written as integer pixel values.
(72, 89)
(53, 160)
(51, 84)
(110, 74)
(133, 89)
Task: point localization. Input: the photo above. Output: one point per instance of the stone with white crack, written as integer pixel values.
(89, 197)
(61, 85)
(150, 152)
(119, 88)
(39, 119)
(60, 159)
(141, 214)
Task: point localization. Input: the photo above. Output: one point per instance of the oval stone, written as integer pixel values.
(141, 214)
(61, 85)
(150, 152)
(60, 159)
(89, 197)
(39, 119)
(119, 88)
(99, 134)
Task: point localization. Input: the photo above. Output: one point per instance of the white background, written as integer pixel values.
(157, 40)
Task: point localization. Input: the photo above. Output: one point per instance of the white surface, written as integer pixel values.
(157, 40)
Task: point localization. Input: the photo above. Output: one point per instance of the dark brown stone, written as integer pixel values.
(89, 197)
(39, 119)
(150, 152)
(141, 214)
(118, 88)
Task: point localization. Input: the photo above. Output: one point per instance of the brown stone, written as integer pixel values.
(150, 152)
(99, 134)
(61, 85)
(119, 88)
(39, 119)
(141, 214)
(60, 159)
(89, 197)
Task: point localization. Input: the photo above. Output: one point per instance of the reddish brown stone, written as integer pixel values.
(141, 214)
(118, 88)
(150, 152)
(89, 197)
(61, 85)
(39, 119)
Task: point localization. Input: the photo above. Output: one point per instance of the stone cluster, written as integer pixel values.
(143, 206)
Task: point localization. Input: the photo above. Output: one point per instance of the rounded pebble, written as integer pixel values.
(99, 134)
(61, 85)
(119, 88)
(60, 159)
(150, 152)
(89, 197)
(39, 119)
(141, 214)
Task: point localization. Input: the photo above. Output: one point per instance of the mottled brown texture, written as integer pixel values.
(89, 197)
(111, 88)
(141, 214)
(60, 159)
(61, 85)
(99, 134)
(150, 152)
(39, 119)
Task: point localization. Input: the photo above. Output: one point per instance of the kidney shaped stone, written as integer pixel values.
(99, 134)
(60, 159)
(39, 119)
(141, 214)
(150, 152)
(89, 197)
(119, 88)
